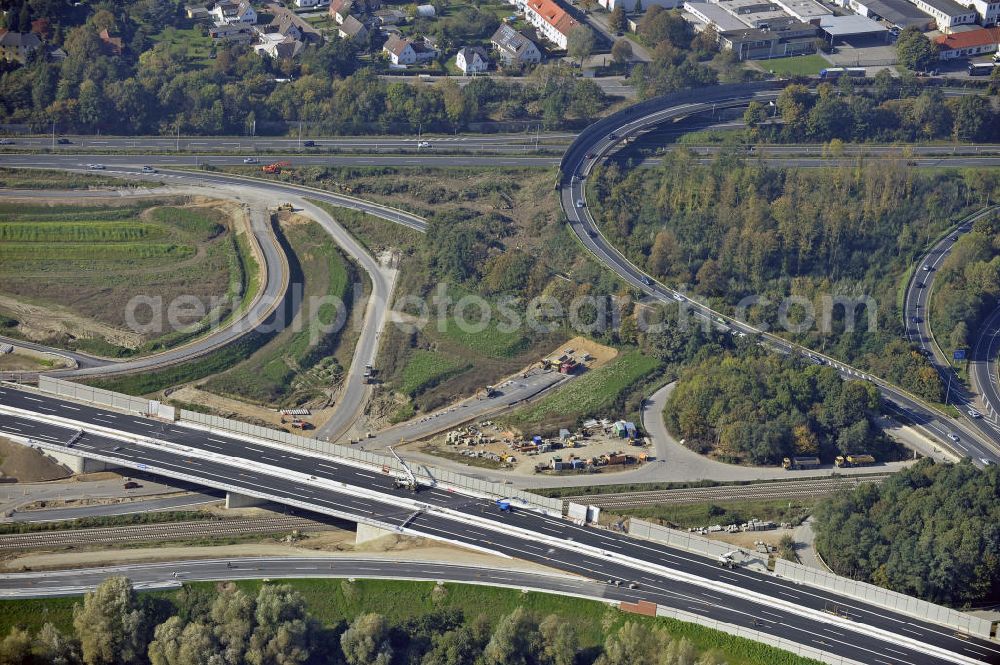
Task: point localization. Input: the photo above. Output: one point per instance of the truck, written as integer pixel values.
(275, 168)
(794, 463)
(728, 559)
(863, 459)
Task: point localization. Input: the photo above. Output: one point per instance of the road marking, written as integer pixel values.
(270, 459)
(33, 399)
(216, 440)
(366, 475)
(71, 408)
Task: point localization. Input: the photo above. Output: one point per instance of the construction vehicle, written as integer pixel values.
(286, 207)
(408, 481)
(793, 463)
(275, 168)
(486, 393)
(369, 374)
(301, 424)
(863, 459)
(728, 559)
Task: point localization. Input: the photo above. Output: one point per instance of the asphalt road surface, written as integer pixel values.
(301, 480)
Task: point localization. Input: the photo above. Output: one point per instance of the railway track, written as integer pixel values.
(777, 490)
(156, 532)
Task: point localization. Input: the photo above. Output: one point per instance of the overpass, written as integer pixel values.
(839, 628)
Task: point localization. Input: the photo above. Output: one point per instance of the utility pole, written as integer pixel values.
(178, 140)
(53, 133)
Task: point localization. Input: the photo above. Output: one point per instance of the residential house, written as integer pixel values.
(472, 60)
(311, 3)
(341, 9)
(384, 17)
(234, 33)
(197, 12)
(552, 21)
(513, 48)
(353, 29)
(968, 44)
(290, 24)
(988, 10)
(278, 46)
(233, 11)
(111, 44)
(629, 5)
(17, 46)
(402, 51)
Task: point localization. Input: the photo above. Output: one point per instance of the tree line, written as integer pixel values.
(929, 531)
(156, 87)
(115, 626)
(757, 407)
(737, 229)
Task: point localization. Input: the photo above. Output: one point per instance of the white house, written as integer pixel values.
(513, 48)
(311, 3)
(402, 51)
(551, 21)
(233, 11)
(947, 13)
(968, 44)
(988, 10)
(472, 60)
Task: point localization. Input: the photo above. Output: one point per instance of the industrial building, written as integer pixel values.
(947, 13)
(898, 13)
(968, 44)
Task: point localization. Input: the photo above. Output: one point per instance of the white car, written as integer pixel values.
(927, 268)
(148, 169)
(953, 437)
(249, 160)
(6, 142)
(974, 414)
(424, 144)
(678, 297)
(95, 167)
(985, 461)
(579, 203)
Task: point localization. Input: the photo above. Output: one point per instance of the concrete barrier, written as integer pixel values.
(874, 595)
(426, 474)
(695, 544)
(755, 635)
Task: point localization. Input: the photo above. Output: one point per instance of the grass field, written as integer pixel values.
(42, 179)
(279, 371)
(596, 393)
(93, 260)
(725, 512)
(799, 65)
(190, 41)
(490, 342)
(427, 368)
(332, 601)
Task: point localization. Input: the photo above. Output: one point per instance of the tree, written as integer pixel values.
(515, 641)
(659, 25)
(15, 648)
(914, 50)
(281, 636)
(561, 643)
(974, 119)
(54, 648)
(110, 625)
(580, 43)
(366, 641)
(616, 21)
(621, 51)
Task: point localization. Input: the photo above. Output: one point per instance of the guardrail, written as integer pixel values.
(426, 474)
(869, 593)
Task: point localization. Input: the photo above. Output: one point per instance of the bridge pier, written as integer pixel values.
(77, 464)
(367, 533)
(234, 500)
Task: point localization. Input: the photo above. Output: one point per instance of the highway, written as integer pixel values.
(332, 487)
(918, 330)
(984, 367)
(605, 137)
(161, 575)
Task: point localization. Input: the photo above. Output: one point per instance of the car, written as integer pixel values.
(678, 297)
(953, 437)
(954, 238)
(148, 169)
(6, 142)
(986, 462)
(249, 160)
(309, 144)
(95, 167)
(64, 141)
(927, 268)
(590, 155)
(424, 144)
(647, 281)
(919, 285)
(130, 485)
(580, 203)
(916, 319)
(116, 449)
(612, 137)
(592, 233)
(974, 414)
